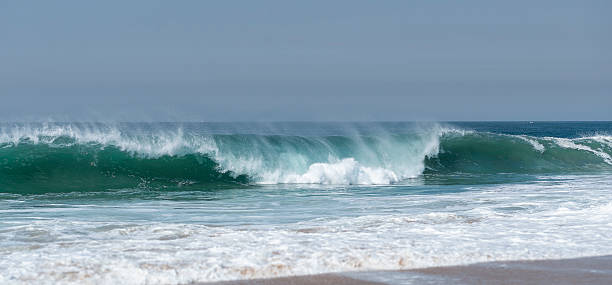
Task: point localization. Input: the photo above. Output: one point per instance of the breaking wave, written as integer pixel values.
(69, 157)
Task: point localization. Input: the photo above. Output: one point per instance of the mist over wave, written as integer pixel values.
(82, 157)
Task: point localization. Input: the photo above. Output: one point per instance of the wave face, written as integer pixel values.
(497, 153)
(40, 158)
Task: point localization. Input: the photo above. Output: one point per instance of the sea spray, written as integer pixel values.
(87, 157)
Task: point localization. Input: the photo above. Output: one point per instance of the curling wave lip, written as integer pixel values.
(65, 158)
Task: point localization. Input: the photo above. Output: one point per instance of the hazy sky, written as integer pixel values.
(305, 60)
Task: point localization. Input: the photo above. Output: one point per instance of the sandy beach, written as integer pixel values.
(589, 270)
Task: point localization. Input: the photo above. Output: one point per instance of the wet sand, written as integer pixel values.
(589, 270)
(320, 279)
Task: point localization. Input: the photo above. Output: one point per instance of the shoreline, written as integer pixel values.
(585, 270)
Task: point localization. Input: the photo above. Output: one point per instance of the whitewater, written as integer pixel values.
(113, 154)
(174, 203)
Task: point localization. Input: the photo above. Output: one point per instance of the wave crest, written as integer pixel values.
(96, 157)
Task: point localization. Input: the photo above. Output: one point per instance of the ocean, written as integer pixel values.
(174, 203)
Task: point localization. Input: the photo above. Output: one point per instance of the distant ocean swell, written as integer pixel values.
(68, 158)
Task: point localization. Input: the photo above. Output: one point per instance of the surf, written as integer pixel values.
(41, 158)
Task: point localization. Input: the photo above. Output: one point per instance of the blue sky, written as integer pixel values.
(305, 60)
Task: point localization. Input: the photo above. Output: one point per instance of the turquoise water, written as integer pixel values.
(170, 203)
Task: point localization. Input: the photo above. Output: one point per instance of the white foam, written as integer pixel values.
(347, 172)
(385, 162)
(504, 222)
(154, 144)
(571, 144)
(603, 139)
(532, 141)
